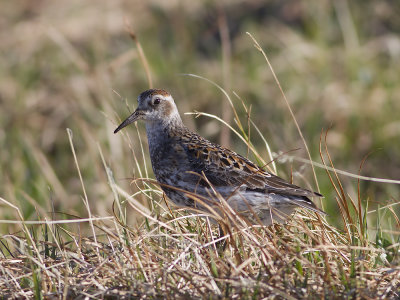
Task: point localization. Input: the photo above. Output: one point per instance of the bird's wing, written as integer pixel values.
(223, 167)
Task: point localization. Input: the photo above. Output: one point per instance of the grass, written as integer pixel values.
(77, 222)
(172, 253)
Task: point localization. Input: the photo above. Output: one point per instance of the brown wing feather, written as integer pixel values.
(222, 167)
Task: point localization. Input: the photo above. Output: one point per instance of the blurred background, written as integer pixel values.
(72, 64)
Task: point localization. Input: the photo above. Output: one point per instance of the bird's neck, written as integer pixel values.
(159, 131)
(161, 137)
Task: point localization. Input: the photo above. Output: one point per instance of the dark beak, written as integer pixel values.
(132, 118)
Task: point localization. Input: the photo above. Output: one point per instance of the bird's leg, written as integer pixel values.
(221, 244)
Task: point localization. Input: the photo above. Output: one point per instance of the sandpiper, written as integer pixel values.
(198, 174)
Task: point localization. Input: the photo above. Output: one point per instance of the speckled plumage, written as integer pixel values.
(189, 167)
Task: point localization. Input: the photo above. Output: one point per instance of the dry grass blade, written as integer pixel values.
(85, 199)
(142, 56)
(258, 47)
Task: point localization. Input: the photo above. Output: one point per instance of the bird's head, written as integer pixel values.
(154, 106)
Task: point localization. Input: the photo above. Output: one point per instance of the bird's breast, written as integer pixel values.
(168, 159)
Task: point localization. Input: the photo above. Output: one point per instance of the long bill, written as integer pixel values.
(132, 118)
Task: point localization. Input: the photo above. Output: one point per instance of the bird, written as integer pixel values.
(198, 174)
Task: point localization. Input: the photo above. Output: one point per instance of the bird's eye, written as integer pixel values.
(157, 101)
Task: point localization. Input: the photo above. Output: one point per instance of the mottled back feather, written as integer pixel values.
(224, 167)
